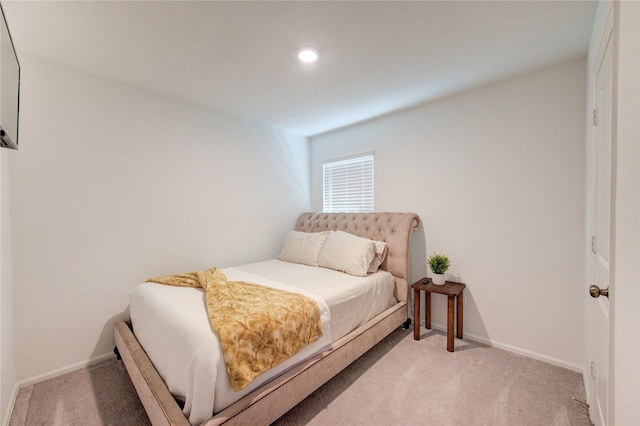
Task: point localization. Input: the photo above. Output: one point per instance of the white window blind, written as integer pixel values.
(348, 184)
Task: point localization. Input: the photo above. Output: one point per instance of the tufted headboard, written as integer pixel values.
(395, 229)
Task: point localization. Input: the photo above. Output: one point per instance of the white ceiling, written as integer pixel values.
(238, 57)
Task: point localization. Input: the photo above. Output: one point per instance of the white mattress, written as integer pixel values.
(172, 326)
(352, 300)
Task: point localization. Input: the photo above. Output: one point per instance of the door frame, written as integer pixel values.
(625, 327)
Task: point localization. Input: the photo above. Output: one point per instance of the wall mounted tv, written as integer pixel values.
(9, 88)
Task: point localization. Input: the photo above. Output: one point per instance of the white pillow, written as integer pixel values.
(347, 253)
(380, 253)
(303, 247)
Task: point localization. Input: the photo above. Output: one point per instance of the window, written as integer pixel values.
(348, 184)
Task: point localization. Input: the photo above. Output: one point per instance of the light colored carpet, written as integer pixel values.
(406, 382)
(101, 394)
(399, 382)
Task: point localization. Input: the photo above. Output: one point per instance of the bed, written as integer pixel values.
(273, 396)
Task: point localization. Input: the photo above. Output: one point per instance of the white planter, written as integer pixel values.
(438, 279)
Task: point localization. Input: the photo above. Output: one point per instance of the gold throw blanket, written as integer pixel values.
(259, 327)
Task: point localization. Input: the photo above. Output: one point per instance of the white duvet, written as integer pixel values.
(172, 325)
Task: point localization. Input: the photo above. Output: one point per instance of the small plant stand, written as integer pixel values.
(454, 292)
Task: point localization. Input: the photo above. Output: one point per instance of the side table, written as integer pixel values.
(453, 291)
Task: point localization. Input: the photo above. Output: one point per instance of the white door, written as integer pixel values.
(601, 246)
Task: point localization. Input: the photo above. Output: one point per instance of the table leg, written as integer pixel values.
(416, 314)
(459, 314)
(450, 308)
(427, 314)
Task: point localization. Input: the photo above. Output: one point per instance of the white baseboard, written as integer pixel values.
(535, 355)
(42, 377)
(63, 370)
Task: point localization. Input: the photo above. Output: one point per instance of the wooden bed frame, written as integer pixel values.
(270, 401)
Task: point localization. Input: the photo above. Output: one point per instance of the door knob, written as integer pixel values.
(596, 291)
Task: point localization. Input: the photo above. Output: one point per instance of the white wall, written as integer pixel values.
(113, 185)
(497, 176)
(7, 364)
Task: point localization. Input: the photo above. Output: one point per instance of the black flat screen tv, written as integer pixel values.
(9, 88)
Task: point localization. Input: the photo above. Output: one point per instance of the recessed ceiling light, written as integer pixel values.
(307, 54)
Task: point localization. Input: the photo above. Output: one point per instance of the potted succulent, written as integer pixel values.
(439, 263)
